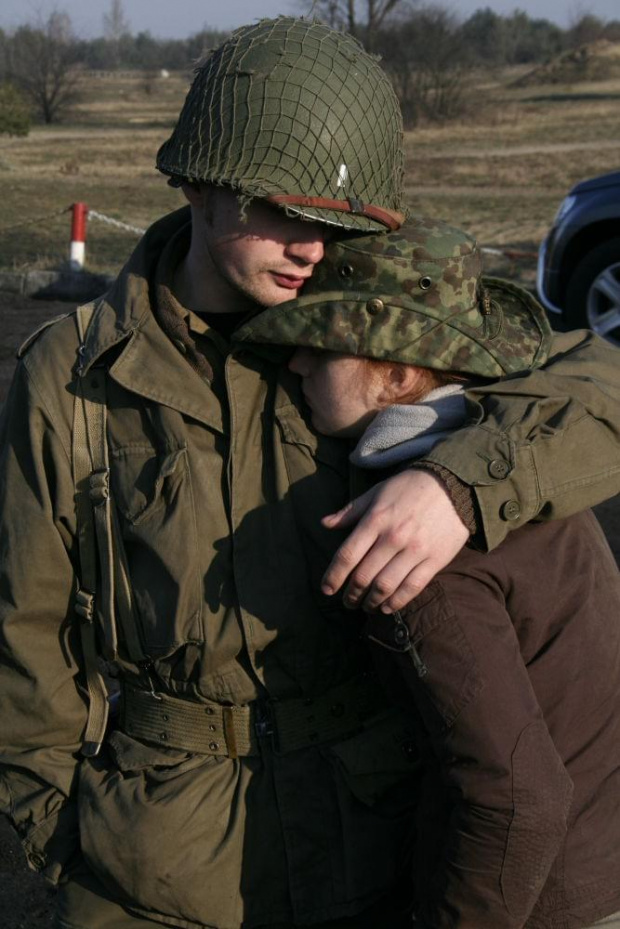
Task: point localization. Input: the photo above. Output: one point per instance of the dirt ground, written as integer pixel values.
(26, 902)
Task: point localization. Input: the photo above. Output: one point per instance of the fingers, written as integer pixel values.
(336, 520)
(371, 563)
(407, 530)
(351, 513)
(352, 551)
(410, 587)
(382, 584)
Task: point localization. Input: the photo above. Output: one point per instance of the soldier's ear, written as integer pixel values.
(201, 197)
(192, 193)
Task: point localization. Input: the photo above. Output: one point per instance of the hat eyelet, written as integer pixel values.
(424, 283)
(345, 270)
(374, 306)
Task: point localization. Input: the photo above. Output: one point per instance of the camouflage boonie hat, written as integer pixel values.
(415, 296)
(296, 113)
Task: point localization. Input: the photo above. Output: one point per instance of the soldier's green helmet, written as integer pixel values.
(416, 296)
(296, 113)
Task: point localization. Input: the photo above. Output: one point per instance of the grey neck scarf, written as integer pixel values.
(403, 432)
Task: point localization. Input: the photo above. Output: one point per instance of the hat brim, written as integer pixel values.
(507, 335)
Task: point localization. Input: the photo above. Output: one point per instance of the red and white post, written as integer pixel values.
(79, 212)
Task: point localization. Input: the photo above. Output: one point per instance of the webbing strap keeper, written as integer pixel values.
(229, 732)
(85, 604)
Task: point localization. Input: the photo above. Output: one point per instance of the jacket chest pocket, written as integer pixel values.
(152, 491)
(317, 466)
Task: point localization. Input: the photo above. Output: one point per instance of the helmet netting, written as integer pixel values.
(292, 107)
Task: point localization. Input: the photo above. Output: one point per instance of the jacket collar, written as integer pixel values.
(147, 363)
(126, 307)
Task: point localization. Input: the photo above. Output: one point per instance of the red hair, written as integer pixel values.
(428, 378)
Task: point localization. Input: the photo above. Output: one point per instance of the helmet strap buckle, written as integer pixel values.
(355, 205)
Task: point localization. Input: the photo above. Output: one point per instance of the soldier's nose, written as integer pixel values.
(309, 252)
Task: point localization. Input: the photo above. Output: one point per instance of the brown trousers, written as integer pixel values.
(610, 922)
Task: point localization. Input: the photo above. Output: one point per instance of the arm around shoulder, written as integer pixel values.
(545, 444)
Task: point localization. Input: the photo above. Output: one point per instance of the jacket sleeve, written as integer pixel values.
(43, 711)
(542, 445)
(487, 847)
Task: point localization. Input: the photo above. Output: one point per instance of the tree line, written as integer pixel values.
(428, 51)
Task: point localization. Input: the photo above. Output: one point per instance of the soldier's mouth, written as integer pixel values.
(288, 281)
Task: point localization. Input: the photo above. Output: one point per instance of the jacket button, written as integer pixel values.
(498, 468)
(375, 306)
(510, 510)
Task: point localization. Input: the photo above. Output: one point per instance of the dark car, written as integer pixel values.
(579, 261)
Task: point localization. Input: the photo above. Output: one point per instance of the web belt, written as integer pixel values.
(211, 728)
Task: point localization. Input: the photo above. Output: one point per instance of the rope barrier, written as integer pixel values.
(512, 254)
(38, 219)
(93, 214)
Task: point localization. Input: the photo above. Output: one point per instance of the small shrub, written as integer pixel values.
(14, 111)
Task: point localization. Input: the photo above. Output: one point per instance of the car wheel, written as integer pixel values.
(593, 292)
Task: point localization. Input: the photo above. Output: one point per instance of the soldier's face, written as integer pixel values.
(342, 391)
(260, 254)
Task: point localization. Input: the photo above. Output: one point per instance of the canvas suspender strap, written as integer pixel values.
(86, 607)
(103, 568)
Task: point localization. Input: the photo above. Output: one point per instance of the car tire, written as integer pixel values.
(593, 292)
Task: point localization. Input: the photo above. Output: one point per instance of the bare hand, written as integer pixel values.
(407, 530)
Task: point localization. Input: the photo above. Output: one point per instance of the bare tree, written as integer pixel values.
(586, 28)
(41, 63)
(429, 64)
(362, 19)
(115, 23)
(115, 28)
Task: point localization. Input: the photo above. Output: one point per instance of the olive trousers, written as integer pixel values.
(83, 903)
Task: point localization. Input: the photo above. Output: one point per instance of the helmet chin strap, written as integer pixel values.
(391, 219)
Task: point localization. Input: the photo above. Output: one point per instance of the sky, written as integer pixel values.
(184, 17)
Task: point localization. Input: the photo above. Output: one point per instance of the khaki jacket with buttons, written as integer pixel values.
(219, 487)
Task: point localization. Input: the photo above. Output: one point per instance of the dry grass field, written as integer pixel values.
(500, 172)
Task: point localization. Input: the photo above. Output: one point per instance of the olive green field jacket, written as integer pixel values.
(219, 489)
